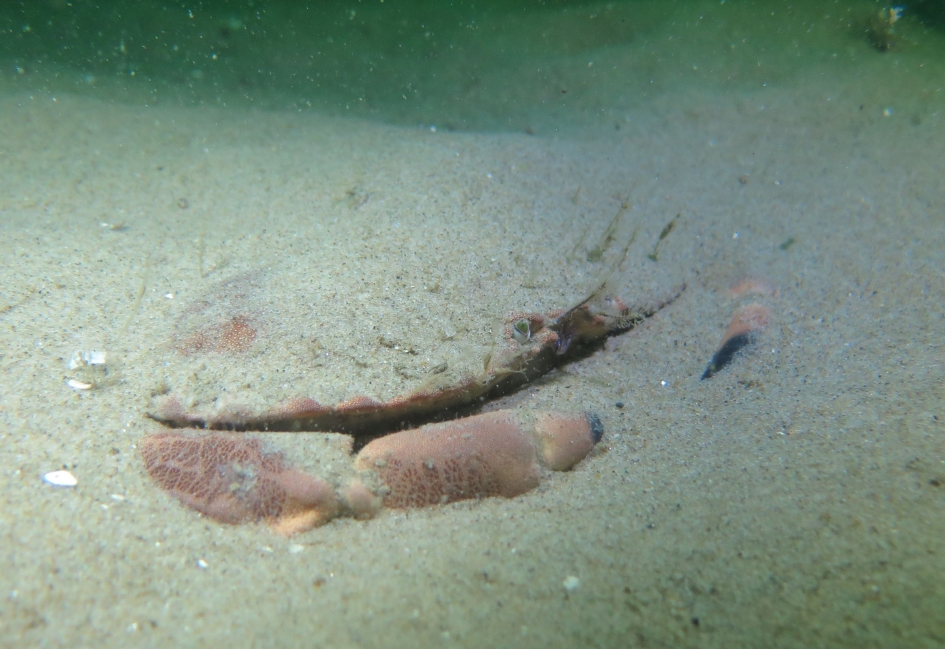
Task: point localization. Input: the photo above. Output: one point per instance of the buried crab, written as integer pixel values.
(231, 477)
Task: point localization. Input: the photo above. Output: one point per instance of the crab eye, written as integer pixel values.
(521, 331)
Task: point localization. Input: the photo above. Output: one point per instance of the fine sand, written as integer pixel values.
(794, 499)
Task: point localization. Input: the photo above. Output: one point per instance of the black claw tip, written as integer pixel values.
(726, 353)
(597, 428)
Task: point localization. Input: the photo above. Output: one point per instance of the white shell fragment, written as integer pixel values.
(571, 583)
(87, 359)
(90, 369)
(78, 385)
(60, 479)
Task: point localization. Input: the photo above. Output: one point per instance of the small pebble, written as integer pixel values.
(571, 583)
(619, 404)
(60, 479)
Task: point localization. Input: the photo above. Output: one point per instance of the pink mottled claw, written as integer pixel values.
(486, 455)
(495, 454)
(230, 479)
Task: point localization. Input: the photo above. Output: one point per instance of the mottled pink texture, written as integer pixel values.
(231, 479)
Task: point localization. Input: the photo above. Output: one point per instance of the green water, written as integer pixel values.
(522, 66)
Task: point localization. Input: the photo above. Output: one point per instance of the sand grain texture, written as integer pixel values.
(795, 499)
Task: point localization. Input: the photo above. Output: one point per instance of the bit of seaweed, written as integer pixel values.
(596, 254)
(881, 31)
(654, 256)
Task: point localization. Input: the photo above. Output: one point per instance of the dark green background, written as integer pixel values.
(524, 65)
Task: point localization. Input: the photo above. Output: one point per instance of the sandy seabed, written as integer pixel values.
(795, 499)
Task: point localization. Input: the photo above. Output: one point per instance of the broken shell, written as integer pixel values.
(84, 359)
(60, 479)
